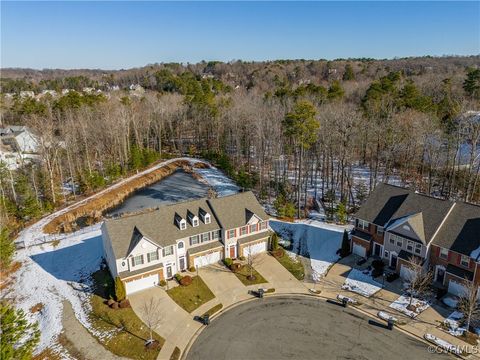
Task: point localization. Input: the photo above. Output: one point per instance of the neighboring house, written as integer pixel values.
(17, 146)
(398, 225)
(146, 248)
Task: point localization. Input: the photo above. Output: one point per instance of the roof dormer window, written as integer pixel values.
(206, 218)
(195, 222)
(183, 224)
(180, 222)
(192, 218)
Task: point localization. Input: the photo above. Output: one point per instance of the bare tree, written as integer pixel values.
(151, 315)
(418, 280)
(252, 261)
(469, 304)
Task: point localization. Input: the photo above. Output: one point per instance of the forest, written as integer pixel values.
(294, 131)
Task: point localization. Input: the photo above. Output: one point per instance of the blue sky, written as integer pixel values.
(113, 35)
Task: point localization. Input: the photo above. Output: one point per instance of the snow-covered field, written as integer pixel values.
(402, 302)
(314, 238)
(51, 274)
(218, 181)
(361, 283)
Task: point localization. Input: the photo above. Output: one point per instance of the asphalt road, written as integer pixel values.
(301, 328)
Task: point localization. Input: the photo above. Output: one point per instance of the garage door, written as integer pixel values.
(141, 284)
(255, 249)
(406, 273)
(455, 288)
(207, 259)
(359, 250)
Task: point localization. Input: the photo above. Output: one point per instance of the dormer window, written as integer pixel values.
(195, 222)
(192, 218)
(205, 216)
(181, 222)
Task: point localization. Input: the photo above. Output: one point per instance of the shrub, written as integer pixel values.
(191, 269)
(274, 241)
(124, 304)
(110, 302)
(162, 283)
(114, 305)
(278, 253)
(345, 249)
(120, 292)
(235, 267)
(186, 280)
(228, 262)
(178, 277)
(378, 264)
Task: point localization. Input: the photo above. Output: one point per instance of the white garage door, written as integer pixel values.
(456, 288)
(207, 259)
(406, 273)
(141, 284)
(359, 250)
(255, 249)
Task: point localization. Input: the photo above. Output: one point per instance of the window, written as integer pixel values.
(137, 260)
(379, 230)
(398, 240)
(243, 231)
(195, 222)
(465, 261)
(181, 245)
(208, 220)
(194, 240)
(183, 225)
(409, 245)
(385, 254)
(362, 224)
(231, 233)
(152, 256)
(392, 240)
(263, 225)
(444, 253)
(418, 248)
(253, 228)
(205, 237)
(168, 251)
(215, 235)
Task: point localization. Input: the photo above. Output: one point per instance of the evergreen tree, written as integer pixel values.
(18, 337)
(345, 249)
(120, 292)
(342, 213)
(274, 241)
(348, 74)
(471, 85)
(7, 248)
(335, 91)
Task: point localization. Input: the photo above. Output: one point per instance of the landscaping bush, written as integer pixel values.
(120, 292)
(162, 283)
(191, 269)
(178, 277)
(378, 266)
(110, 302)
(278, 253)
(242, 258)
(114, 305)
(236, 267)
(228, 262)
(186, 280)
(345, 249)
(274, 241)
(124, 304)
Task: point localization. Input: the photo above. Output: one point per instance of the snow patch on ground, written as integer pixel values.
(443, 344)
(402, 302)
(453, 323)
(51, 274)
(361, 283)
(386, 316)
(218, 181)
(318, 240)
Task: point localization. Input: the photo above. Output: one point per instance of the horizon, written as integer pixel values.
(115, 36)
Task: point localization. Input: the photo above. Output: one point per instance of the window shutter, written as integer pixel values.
(148, 257)
(459, 259)
(438, 251)
(163, 252)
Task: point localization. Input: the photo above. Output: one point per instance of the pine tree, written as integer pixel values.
(7, 248)
(274, 241)
(18, 337)
(342, 213)
(471, 85)
(345, 249)
(348, 74)
(120, 292)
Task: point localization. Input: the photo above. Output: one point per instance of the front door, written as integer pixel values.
(182, 263)
(440, 275)
(377, 249)
(232, 252)
(169, 272)
(393, 261)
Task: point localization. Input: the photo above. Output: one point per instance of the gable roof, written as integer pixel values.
(461, 230)
(158, 226)
(388, 203)
(415, 221)
(236, 210)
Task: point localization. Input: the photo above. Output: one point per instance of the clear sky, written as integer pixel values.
(114, 35)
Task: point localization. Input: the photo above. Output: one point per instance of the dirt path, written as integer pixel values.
(83, 344)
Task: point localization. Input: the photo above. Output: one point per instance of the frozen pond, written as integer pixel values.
(179, 186)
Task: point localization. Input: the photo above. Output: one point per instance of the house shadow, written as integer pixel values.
(73, 264)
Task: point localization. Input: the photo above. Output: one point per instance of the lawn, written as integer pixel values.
(192, 296)
(295, 267)
(125, 332)
(243, 274)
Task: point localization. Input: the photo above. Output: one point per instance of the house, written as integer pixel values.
(144, 249)
(18, 144)
(399, 226)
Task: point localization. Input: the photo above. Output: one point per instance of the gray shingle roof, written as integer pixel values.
(387, 203)
(236, 210)
(159, 226)
(255, 237)
(461, 230)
